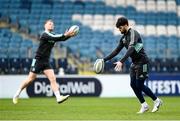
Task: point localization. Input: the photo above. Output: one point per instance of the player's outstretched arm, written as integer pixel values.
(58, 37)
(115, 51)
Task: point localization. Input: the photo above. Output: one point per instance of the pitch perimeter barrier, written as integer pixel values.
(91, 86)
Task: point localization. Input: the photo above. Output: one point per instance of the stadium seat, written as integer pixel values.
(171, 6)
(14, 65)
(151, 18)
(120, 10)
(13, 53)
(110, 3)
(175, 65)
(150, 44)
(140, 29)
(62, 62)
(110, 10)
(178, 10)
(24, 52)
(87, 19)
(154, 65)
(4, 65)
(161, 30)
(141, 5)
(161, 6)
(151, 6)
(178, 29)
(25, 65)
(150, 30)
(172, 30)
(120, 3)
(172, 18)
(172, 47)
(71, 70)
(140, 18)
(164, 65)
(162, 47)
(131, 3)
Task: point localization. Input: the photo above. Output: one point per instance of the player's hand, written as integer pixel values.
(69, 33)
(118, 66)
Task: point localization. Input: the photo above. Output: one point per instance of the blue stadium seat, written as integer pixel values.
(25, 65)
(131, 12)
(24, 52)
(6, 33)
(71, 70)
(172, 47)
(140, 18)
(62, 62)
(53, 63)
(78, 9)
(14, 19)
(153, 65)
(3, 52)
(13, 52)
(162, 18)
(120, 10)
(26, 43)
(89, 8)
(172, 18)
(4, 65)
(4, 44)
(99, 8)
(162, 47)
(110, 10)
(164, 65)
(14, 45)
(14, 65)
(178, 2)
(151, 18)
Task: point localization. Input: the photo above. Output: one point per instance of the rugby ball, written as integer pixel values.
(75, 29)
(99, 66)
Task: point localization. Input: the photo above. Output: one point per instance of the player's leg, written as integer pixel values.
(55, 87)
(23, 85)
(134, 84)
(148, 92)
(144, 105)
(137, 90)
(157, 101)
(143, 75)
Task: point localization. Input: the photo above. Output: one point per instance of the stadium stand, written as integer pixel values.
(157, 20)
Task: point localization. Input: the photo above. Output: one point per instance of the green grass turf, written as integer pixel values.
(87, 109)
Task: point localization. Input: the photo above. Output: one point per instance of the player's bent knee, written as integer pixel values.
(31, 78)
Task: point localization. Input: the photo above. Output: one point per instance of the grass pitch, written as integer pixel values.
(87, 109)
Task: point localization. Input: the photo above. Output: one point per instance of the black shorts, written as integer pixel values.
(139, 71)
(38, 66)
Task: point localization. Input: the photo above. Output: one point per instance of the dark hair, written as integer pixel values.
(121, 22)
(48, 21)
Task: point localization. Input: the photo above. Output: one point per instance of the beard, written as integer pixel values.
(50, 30)
(123, 32)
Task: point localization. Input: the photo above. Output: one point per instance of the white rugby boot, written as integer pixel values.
(157, 104)
(62, 98)
(15, 99)
(144, 108)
